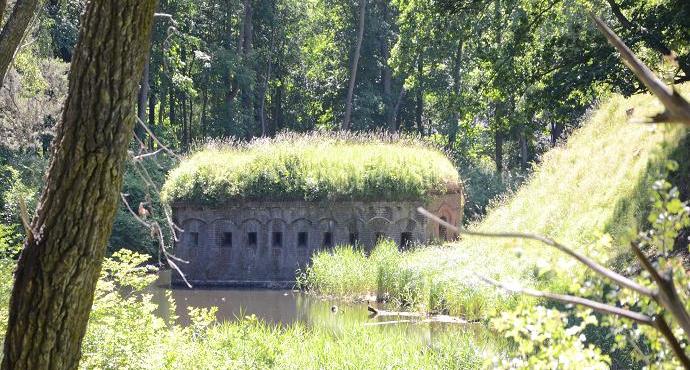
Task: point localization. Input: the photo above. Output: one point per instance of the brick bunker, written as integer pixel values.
(244, 228)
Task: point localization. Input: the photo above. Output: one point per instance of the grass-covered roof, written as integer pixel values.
(313, 167)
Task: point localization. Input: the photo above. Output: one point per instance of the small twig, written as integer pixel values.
(141, 156)
(167, 150)
(136, 216)
(24, 215)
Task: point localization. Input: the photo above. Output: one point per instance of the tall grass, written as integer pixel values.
(313, 167)
(124, 333)
(391, 276)
(588, 193)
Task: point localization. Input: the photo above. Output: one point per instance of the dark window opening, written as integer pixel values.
(379, 237)
(194, 239)
(327, 239)
(251, 238)
(227, 240)
(302, 239)
(442, 233)
(406, 240)
(354, 239)
(277, 239)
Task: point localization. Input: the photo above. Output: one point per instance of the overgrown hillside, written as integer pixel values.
(588, 193)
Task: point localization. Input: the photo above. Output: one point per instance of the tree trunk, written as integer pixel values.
(185, 136)
(523, 148)
(204, 108)
(355, 63)
(556, 131)
(498, 150)
(152, 117)
(278, 106)
(419, 106)
(13, 31)
(142, 102)
(453, 125)
(396, 108)
(386, 72)
(61, 261)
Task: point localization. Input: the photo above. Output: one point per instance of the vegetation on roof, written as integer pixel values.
(313, 167)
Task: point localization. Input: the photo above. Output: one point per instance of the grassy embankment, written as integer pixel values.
(587, 193)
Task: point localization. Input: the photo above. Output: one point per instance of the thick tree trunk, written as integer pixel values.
(355, 64)
(13, 31)
(61, 261)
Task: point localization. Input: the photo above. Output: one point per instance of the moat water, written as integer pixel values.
(285, 307)
(273, 306)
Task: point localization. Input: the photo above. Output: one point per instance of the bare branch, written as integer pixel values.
(601, 270)
(142, 156)
(667, 295)
(677, 108)
(167, 150)
(663, 327)
(136, 216)
(24, 215)
(598, 306)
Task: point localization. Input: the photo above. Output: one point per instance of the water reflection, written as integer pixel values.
(284, 307)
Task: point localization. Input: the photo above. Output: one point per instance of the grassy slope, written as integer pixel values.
(313, 167)
(594, 185)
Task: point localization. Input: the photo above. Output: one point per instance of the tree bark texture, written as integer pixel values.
(61, 261)
(13, 31)
(355, 64)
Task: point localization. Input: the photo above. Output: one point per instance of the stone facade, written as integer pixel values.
(264, 243)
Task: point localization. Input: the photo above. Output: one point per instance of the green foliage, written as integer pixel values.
(547, 339)
(313, 167)
(124, 332)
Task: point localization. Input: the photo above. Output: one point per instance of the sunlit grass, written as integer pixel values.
(588, 193)
(313, 167)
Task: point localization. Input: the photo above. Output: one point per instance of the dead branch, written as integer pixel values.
(601, 270)
(677, 108)
(568, 299)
